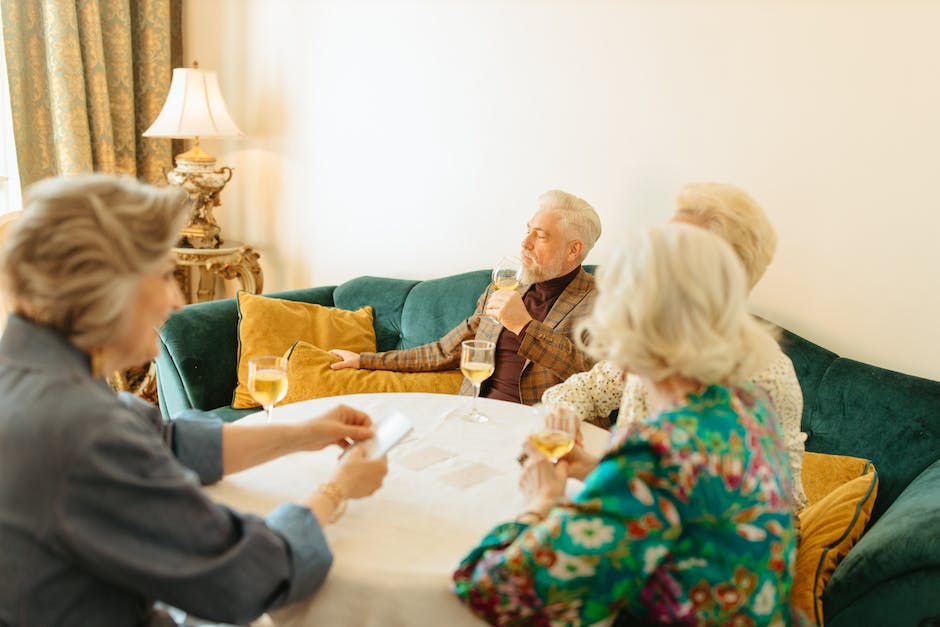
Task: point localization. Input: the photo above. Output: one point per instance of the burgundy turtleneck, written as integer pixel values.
(503, 385)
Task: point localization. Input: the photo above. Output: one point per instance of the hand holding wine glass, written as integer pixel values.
(556, 431)
(507, 274)
(477, 361)
(267, 381)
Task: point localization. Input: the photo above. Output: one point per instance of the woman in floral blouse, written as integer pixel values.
(686, 518)
(732, 214)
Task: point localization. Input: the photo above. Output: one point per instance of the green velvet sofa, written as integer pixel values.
(891, 577)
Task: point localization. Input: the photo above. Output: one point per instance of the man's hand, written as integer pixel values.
(335, 426)
(507, 307)
(349, 359)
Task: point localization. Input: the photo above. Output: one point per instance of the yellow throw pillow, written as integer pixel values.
(270, 326)
(829, 528)
(823, 473)
(309, 376)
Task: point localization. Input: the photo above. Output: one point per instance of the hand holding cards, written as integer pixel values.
(389, 431)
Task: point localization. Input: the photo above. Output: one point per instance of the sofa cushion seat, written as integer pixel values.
(901, 550)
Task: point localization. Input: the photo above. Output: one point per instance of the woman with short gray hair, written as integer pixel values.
(99, 498)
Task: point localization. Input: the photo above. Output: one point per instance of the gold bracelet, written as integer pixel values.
(337, 497)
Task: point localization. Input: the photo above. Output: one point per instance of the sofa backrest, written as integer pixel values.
(852, 408)
(412, 313)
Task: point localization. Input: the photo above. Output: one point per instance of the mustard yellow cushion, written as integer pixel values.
(829, 528)
(270, 326)
(823, 473)
(309, 376)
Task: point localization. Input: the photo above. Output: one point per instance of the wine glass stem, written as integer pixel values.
(267, 412)
(476, 393)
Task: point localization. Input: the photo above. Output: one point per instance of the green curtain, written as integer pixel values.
(86, 79)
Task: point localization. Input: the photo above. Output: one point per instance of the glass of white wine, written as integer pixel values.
(477, 363)
(267, 381)
(507, 274)
(556, 431)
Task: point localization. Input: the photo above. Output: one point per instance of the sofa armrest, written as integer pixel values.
(197, 364)
(894, 570)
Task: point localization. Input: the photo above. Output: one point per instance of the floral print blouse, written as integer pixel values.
(686, 520)
(605, 387)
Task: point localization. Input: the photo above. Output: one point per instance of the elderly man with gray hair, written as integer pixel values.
(533, 335)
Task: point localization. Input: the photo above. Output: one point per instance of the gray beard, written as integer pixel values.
(539, 273)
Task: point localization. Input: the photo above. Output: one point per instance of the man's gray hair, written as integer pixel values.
(577, 215)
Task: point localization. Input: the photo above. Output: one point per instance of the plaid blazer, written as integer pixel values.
(550, 354)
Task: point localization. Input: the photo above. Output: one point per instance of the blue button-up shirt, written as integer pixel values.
(101, 509)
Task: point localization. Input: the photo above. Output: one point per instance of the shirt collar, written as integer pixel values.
(558, 283)
(31, 345)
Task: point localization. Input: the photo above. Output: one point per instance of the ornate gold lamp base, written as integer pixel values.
(196, 172)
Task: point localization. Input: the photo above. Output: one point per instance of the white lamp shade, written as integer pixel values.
(193, 108)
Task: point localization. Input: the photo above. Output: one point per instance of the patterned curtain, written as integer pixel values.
(87, 77)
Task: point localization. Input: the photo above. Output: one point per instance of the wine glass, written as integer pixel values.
(556, 431)
(507, 274)
(476, 363)
(267, 381)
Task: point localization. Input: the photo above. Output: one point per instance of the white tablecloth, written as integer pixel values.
(394, 552)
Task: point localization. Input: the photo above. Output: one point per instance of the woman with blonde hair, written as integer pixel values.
(101, 510)
(686, 518)
(733, 215)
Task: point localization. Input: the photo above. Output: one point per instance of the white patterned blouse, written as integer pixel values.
(605, 387)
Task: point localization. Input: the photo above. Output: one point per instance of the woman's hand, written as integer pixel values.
(580, 462)
(542, 482)
(358, 476)
(335, 426)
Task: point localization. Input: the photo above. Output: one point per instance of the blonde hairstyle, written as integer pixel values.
(576, 214)
(674, 301)
(733, 215)
(75, 258)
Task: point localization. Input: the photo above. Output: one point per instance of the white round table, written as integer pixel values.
(449, 482)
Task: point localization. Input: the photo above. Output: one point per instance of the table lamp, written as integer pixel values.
(194, 108)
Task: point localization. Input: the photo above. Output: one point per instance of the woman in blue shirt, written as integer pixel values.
(101, 511)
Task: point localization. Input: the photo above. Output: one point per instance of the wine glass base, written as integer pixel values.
(474, 416)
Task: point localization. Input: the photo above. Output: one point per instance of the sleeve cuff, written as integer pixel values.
(310, 555)
(197, 443)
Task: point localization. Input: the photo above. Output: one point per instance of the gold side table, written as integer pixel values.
(198, 270)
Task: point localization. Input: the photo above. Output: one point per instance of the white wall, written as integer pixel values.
(409, 138)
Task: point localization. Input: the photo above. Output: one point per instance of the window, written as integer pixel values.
(11, 198)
